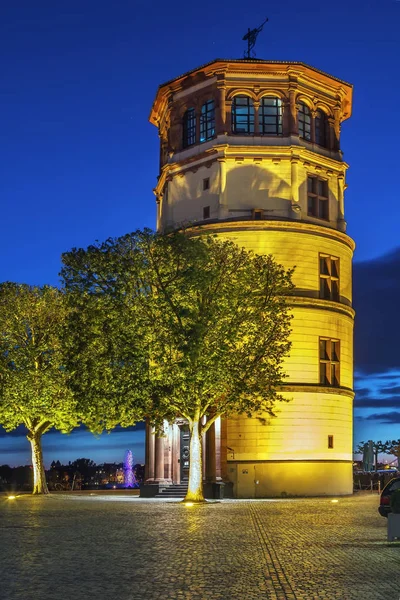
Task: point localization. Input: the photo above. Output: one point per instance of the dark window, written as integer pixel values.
(329, 362)
(206, 183)
(206, 212)
(394, 486)
(270, 116)
(304, 119)
(189, 128)
(317, 198)
(329, 277)
(258, 215)
(207, 121)
(242, 115)
(321, 128)
(330, 441)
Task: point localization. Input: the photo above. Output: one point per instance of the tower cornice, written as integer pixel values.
(275, 225)
(226, 70)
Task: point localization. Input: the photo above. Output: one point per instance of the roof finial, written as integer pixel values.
(251, 37)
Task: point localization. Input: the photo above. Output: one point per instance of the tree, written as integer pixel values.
(393, 447)
(105, 344)
(378, 448)
(83, 464)
(213, 318)
(34, 388)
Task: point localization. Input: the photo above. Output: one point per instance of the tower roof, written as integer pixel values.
(223, 66)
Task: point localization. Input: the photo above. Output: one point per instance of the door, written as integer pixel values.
(185, 453)
(246, 481)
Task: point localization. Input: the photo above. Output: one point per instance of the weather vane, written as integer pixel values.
(251, 38)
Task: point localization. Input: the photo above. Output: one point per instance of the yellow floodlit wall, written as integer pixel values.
(289, 454)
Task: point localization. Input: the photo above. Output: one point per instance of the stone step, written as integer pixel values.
(173, 491)
(171, 495)
(177, 486)
(166, 491)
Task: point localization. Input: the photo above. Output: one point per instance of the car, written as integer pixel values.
(384, 504)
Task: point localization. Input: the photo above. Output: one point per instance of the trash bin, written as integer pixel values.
(218, 490)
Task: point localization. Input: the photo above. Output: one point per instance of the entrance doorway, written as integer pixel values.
(185, 452)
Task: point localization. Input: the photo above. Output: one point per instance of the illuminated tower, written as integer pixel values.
(250, 149)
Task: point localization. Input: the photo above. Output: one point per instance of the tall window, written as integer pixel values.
(329, 362)
(317, 198)
(207, 121)
(304, 119)
(329, 277)
(321, 129)
(270, 116)
(242, 115)
(189, 128)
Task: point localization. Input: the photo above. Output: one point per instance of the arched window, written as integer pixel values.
(321, 129)
(242, 115)
(189, 128)
(207, 121)
(270, 116)
(304, 118)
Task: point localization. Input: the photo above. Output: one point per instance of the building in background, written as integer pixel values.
(250, 150)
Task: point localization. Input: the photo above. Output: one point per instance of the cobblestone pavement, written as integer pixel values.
(71, 547)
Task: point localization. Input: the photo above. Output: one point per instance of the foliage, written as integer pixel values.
(176, 326)
(33, 380)
(395, 501)
(393, 447)
(83, 464)
(378, 447)
(105, 344)
(194, 323)
(387, 447)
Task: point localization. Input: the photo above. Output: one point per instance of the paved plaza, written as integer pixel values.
(124, 548)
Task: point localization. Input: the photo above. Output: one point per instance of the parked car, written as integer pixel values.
(384, 505)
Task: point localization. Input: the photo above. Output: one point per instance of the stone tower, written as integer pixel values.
(250, 150)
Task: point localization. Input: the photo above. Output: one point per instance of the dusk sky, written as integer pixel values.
(79, 158)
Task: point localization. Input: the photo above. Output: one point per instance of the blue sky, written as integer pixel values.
(79, 159)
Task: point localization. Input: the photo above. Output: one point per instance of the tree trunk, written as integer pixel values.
(39, 476)
(195, 488)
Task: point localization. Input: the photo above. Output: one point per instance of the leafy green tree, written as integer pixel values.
(105, 343)
(34, 387)
(378, 448)
(213, 320)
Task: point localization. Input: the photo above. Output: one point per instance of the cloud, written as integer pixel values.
(391, 418)
(393, 402)
(391, 390)
(376, 301)
(362, 392)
